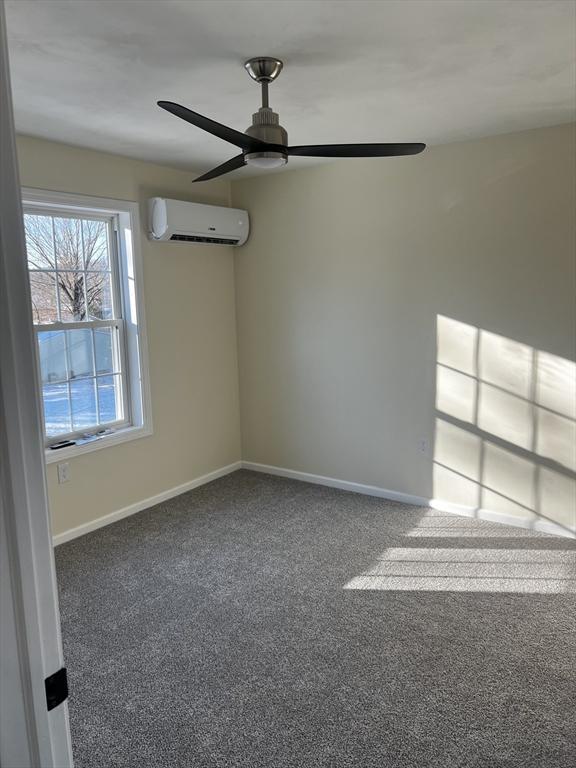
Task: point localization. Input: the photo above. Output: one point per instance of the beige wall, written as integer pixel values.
(377, 303)
(339, 291)
(190, 314)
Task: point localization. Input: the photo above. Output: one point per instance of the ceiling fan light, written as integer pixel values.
(266, 159)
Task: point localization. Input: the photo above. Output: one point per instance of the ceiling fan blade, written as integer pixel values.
(220, 170)
(241, 140)
(356, 150)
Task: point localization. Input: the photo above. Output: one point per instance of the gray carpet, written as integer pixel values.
(258, 621)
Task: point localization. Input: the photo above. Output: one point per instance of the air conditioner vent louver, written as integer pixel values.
(205, 239)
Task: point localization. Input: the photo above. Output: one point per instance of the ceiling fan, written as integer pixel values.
(265, 143)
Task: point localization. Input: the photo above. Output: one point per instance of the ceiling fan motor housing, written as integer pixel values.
(266, 127)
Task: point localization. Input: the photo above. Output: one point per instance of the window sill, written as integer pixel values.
(106, 441)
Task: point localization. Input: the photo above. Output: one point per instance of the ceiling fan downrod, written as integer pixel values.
(266, 123)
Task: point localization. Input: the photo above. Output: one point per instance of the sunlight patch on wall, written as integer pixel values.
(456, 345)
(557, 497)
(505, 416)
(505, 438)
(509, 477)
(456, 394)
(505, 363)
(556, 437)
(556, 385)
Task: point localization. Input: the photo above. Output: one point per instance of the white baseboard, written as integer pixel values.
(543, 526)
(332, 482)
(540, 525)
(132, 509)
(546, 526)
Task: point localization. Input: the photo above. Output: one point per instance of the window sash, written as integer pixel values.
(122, 373)
(76, 325)
(111, 221)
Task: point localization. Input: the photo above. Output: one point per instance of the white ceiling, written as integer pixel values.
(90, 72)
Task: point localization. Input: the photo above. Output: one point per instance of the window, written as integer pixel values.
(85, 288)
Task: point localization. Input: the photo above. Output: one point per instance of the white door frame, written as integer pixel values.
(30, 735)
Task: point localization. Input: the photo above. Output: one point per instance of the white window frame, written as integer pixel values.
(125, 238)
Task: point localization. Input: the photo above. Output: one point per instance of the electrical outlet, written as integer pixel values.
(423, 446)
(64, 472)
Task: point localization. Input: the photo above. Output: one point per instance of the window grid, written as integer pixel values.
(56, 289)
(95, 369)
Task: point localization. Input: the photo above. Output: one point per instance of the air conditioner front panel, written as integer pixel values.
(179, 221)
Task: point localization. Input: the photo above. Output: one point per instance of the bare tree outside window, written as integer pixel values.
(69, 268)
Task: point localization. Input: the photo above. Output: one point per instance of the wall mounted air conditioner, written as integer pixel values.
(182, 222)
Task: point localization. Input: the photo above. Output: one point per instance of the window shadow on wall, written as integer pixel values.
(505, 442)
